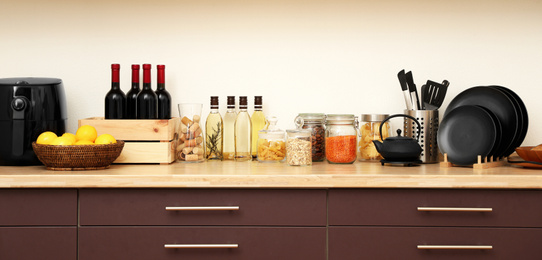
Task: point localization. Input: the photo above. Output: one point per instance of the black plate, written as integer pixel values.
(466, 132)
(497, 102)
(523, 119)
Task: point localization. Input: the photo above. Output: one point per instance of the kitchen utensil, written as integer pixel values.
(30, 106)
(466, 132)
(532, 158)
(497, 102)
(413, 91)
(523, 119)
(429, 119)
(399, 148)
(404, 87)
(435, 93)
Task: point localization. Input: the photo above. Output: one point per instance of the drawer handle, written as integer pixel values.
(455, 209)
(456, 247)
(203, 208)
(201, 245)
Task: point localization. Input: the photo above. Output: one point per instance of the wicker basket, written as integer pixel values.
(78, 157)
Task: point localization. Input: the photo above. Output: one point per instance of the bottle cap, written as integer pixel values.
(214, 102)
(243, 101)
(258, 101)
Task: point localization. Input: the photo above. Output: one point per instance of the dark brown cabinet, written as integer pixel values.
(434, 224)
(38, 224)
(202, 224)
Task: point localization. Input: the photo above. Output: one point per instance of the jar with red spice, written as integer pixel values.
(341, 138)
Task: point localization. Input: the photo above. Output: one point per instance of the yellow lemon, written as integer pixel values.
(105, 139)
(46, 137)
(86, 132)
(70, 136)
(83, 142)
(62, 141)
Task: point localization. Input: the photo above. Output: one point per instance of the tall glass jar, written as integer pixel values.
(341, 138)
(271, 145)
(298, 147)
(369, 131)
(315, 122)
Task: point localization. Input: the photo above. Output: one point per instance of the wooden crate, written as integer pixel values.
(146, 141)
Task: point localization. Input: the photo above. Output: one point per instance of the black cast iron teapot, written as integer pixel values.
(399, 148)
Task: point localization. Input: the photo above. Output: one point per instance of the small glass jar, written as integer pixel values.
(191, 145)
(315, 122)
(271, 146)
(298, 147)
(369, 130)
(341, 138)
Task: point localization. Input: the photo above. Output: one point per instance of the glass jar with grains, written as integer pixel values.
(298, 147)
(271, 146)
(341, 138)
(315, 122)
(369, 131)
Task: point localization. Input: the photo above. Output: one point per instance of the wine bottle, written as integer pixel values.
(258, 123)
(131, 96)
(164, 99)
(243, 132)
(228, 137)
(147, 101)
(115, 100)
(213, 132)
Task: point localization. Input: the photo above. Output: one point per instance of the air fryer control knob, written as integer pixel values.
(18, 104)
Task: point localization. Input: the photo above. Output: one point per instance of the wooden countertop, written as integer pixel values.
(263, 175)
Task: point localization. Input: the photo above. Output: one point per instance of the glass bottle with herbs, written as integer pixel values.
(228, 137)
(214, 132)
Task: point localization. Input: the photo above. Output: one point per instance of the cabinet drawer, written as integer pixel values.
(499, 208)
(256, 207)
(38, 207)
(347, 243)
(244, 243)
(31, 243)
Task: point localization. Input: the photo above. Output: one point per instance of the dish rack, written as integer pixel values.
(483, 162)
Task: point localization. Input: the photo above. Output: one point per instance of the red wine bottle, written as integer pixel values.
(147, 101)
(115, 100)
(131, 96)
(164, 99)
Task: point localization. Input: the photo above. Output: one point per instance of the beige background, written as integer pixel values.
(302, 56)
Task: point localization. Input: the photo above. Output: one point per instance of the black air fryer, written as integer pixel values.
(28, 107)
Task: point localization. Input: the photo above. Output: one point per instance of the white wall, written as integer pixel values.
(325, 56)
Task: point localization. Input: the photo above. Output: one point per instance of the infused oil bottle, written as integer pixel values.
(213, 132)
(228, 137)
(258, 123)
(243, 132)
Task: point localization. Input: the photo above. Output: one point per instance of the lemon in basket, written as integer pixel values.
(86, 132)
(83, 142)
(46, 137)
(105, 139)
(70, 136)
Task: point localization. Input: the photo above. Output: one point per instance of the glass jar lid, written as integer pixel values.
(272, 131)
(298, 133)
(373, 117)
(309, 118)
(340, 119)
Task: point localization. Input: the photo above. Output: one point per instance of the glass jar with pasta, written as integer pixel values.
(369, 131)
(271, 145)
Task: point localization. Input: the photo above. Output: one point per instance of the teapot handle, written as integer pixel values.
(401, 115)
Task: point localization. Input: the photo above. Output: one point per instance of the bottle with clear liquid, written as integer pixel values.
(115, 100)
(131, 96)
(243, 132)
(258, 123)
(228, 137)
(214, 132)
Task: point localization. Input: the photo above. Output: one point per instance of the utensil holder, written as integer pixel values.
(429, 120)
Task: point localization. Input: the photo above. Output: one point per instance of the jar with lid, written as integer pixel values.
(315, 122)
(298, 147)
(271, 146)
(369, 131)
(341, 138)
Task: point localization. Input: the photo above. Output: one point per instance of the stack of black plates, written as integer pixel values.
(490, 121)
